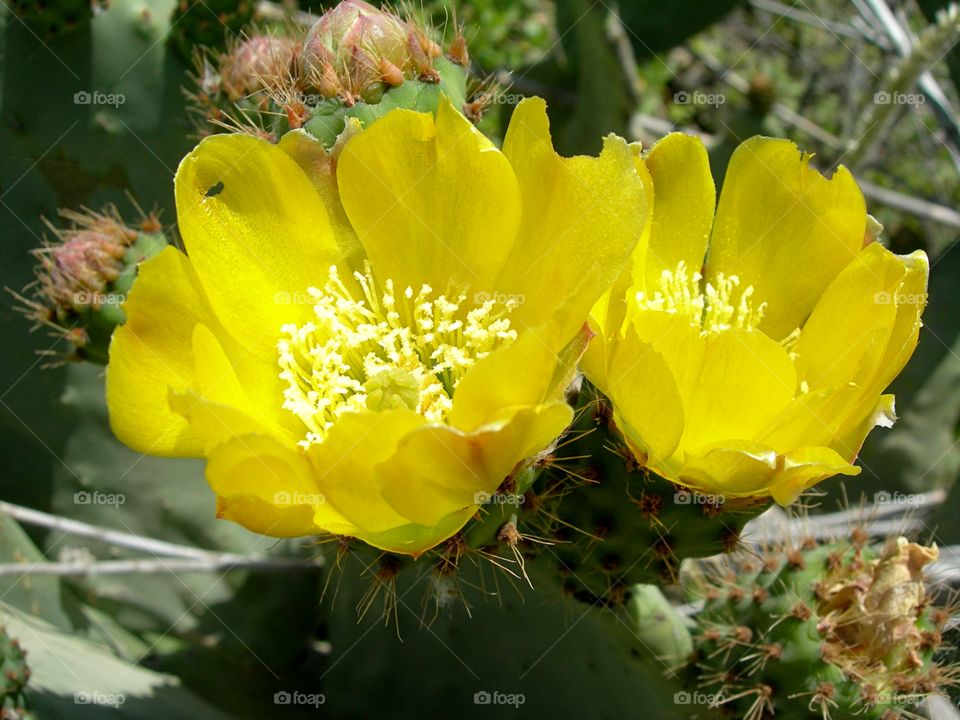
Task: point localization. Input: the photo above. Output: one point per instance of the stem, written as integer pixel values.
(202, 559)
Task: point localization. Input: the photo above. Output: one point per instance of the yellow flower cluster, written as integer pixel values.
(364, 342)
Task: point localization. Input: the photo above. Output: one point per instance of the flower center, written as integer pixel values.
(712, 308)
(377, 349)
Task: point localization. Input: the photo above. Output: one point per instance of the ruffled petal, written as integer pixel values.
(647, 404)
(432, 201)
(846, 336)
(269, 488)
(511, 377)
(344, 465)
(151, 353)
(257, 235)
(582, 219)
(784, 229)
(438, 470)
(684, 201)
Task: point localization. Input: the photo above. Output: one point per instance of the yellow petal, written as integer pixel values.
(414, 539)
(684, 200)
(256, 232)
(438, 470)
(805, 467)
(743, 467)
(513, 376)
(345, 465)
(582, 218)
(733, 383)
(846, 336)
(152, 353)
(431, 200)
(910, 300)
(647, 405)
(269, 488)
(732, 467)
(785, 229)
(745, 381)
(321, 167)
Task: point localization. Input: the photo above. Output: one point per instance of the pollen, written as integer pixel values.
(711, 307)
(370, 347)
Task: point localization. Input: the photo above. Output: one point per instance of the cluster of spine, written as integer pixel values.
(355, 61)
(836, 629)
(501, 536)
(83, 276)
(617, 524)
(14, 674)
(584, 508)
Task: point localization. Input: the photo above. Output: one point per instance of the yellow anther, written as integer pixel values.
(383, 351)
(709, 307)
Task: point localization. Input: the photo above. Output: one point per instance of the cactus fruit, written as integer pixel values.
(621, 525)
(837, 629)
(355, 61)
(14, 675)
(84, 275)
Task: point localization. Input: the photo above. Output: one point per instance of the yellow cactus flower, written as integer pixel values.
(367, 344)
(747, 351)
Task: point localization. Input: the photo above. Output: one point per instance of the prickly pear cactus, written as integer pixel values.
(355, 61)
(83, 276)
(833, 630)
(620, 525)
(14, 674)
